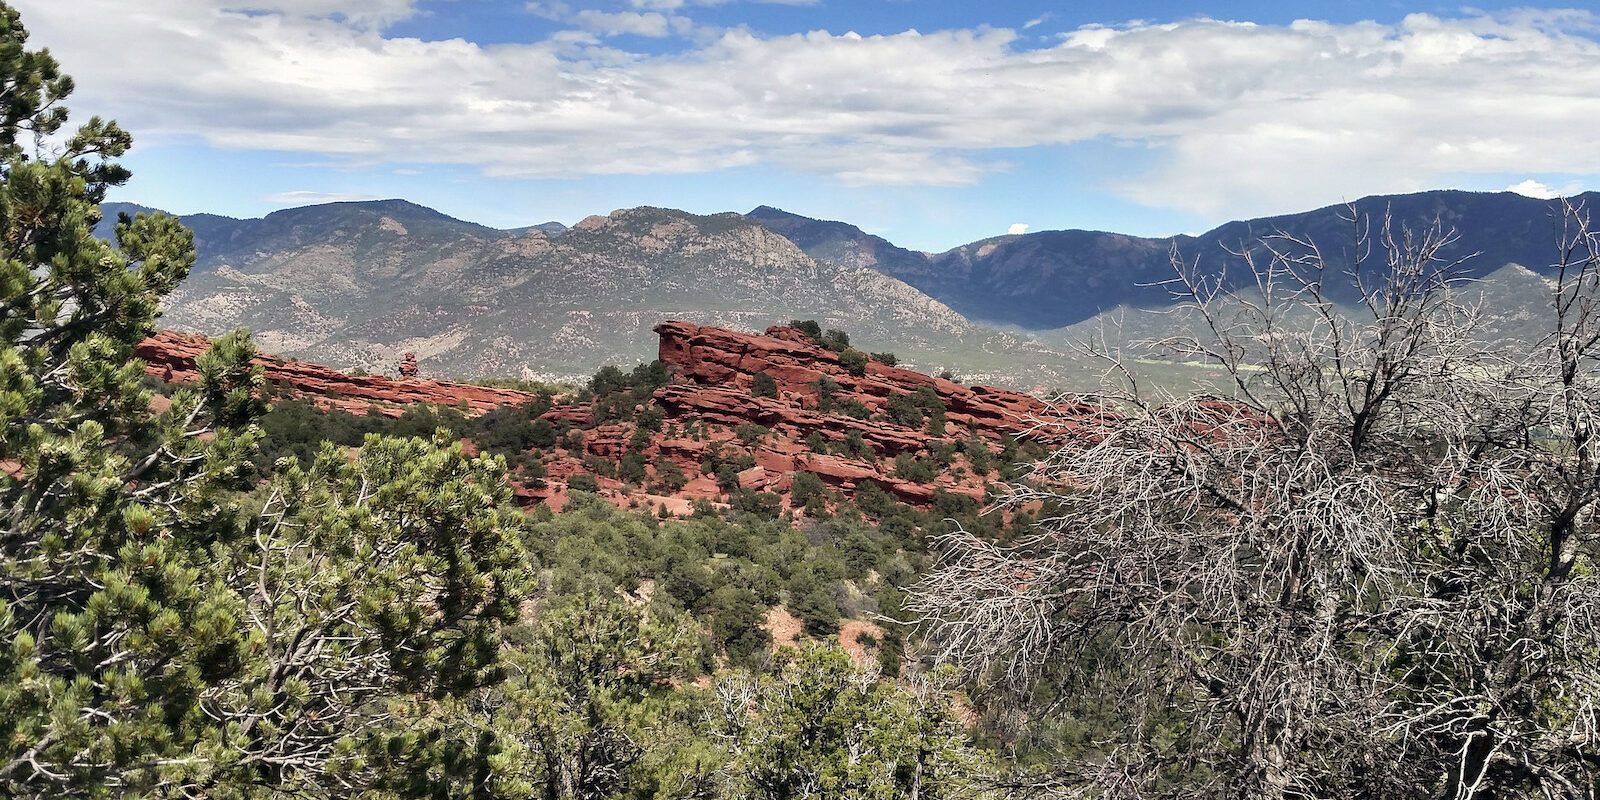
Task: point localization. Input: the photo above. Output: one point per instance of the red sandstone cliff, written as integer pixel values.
(711, 393)
(722, 364)
(171, 357)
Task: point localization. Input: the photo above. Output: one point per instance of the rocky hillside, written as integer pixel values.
(355, 284)
(724, 417)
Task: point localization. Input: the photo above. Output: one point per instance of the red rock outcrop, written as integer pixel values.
(716, 369)
(171, 357)
(723, 363)
(712, 434)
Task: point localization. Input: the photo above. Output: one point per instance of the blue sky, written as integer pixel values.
(932, 123)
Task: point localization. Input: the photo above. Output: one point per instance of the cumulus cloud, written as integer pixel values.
(1231, 117)
(1534, 189)
(1017, 229)
(651, 24)
(640, 24)
(1542, 191)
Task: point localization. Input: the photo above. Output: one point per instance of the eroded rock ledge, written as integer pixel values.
(707, 404)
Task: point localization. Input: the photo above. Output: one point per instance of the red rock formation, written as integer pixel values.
(711, 397)
(408, 365)
(171, 357)
(724, 362)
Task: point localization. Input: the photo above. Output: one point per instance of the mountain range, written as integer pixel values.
(356, 284)
(1055, 279)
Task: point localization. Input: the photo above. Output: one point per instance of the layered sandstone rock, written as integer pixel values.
(722, 365)
(171, 357)
(771, 439)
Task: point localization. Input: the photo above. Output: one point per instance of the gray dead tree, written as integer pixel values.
(1371, 571)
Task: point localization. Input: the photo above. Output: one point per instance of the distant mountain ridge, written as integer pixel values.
(355, 284)
(1053, 279)
(237, 242)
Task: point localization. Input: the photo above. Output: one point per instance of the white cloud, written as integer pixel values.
(362, 13)
(1534, 189)
(1017, 229)
(1232, 118)
(612, 23)
(641, 24)
(1543, 191)
(672, 5)
(305, 198)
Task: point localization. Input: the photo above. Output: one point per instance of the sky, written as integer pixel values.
(930, 122)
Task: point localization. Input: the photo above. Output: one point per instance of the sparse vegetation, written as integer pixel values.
(1370, 572)
(763, 385)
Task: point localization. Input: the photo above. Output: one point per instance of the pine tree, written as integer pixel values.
(167, 626)
(823, 727)
(589, 710)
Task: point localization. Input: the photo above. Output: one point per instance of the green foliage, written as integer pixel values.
(669, 477)
(588, 710)
(949, 504)
(855, 445)
(826, 388)
(822, 727)
(597, 465)
(853, 361)
(726, 466)
(650, 419)
(726, 572)
(763, 385)
(811, 599)
(903, 411)
(512, 429)
(608, 380)
(297, 428)
(854, 408)
(172, 628)
(113, 626)
(763, 504)
(978, 454)
(632, 468)
(547, 391)
(928, 400)
(640, 382)
(805, 487)
(736, 617)
(835, 340)
(911, 468)
(887, 359)
(423, 420)
(224, 600)
(542, 434)
(808, 327)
